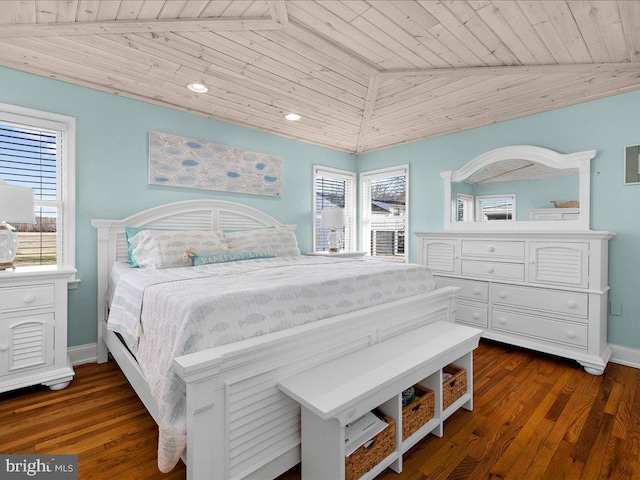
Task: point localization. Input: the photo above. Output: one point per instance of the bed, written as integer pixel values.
(238, 424)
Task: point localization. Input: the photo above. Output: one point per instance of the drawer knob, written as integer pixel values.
(572, 304)
(490, 269)
(477, 291)
(29, 298)
(502, 321)
(502, 294)
(571, 334)
(476, 316)
(491, 249)
(4, 348)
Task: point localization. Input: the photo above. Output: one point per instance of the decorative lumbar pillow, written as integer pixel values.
(222, 257)
(281, 240)
(164, 249)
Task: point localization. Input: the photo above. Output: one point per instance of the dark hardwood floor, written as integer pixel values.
(534, 417)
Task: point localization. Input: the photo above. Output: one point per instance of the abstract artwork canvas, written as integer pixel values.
(185, 162)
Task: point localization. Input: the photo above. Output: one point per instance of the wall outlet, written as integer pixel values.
(615, 308)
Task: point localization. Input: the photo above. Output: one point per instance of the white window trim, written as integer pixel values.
(66, 174)
(365, 205)
(347, 176)
(469, 209)
(480, 212)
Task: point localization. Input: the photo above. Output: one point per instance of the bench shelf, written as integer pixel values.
(336, 393)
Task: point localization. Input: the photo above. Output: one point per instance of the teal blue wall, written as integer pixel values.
(111, 170)
(606, 125)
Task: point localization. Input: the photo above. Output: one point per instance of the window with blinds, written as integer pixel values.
(496, 208)
(334, 189)
(37, 150)
(385, 213)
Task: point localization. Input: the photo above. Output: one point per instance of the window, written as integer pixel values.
(385, 213)
(334, 188)
(496, 208)
(37, 150)
(464, 208)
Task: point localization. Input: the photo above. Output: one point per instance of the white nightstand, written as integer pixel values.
(33, 327)
(337, 254)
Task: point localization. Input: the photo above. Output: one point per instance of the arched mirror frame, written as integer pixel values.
(545, 156)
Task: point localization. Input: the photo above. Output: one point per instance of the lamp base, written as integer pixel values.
(6, 265)
(333, 250)
(8, 246)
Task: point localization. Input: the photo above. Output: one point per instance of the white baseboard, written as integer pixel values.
(625, 356)
(83, 354)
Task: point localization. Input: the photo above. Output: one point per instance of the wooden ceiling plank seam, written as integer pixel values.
(628, 12)
(87, 10)
(359, 65)
(322, 57)
(358, 6)
(341, 9)
(237, 8)
(152, 46)
(215, 8)
(53, 11)
(583, 13)
(290, 74)
(563, 22)
(259, 8)
(37, 50)
(303, 63)
(150, 10)
(607, 18)
(128, 10)
(506, 29)
(369, 106)
(322, 22)
(443, 57)
(18, 12)
(136, 26)
(393, 90)
(479, 29)
(465, 40)
(547, 32)
(193, 9)
(108, 10)
(278, 11)
(395, 37)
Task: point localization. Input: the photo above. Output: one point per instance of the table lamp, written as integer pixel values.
(16, 205)
(333, 218)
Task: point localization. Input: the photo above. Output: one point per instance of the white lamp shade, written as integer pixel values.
(334, 217)
(16, 204)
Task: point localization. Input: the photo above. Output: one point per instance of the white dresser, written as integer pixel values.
(33, 327)
(536, 289)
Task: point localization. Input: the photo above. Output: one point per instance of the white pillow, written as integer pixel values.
(281, 240)
(165, 248)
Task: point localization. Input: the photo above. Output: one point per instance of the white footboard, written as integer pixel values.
(239, 425)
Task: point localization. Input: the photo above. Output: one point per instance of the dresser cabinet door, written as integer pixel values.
(26, 343)
(559, 263)
(441, 256)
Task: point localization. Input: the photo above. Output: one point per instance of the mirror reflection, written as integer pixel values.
(516, 190)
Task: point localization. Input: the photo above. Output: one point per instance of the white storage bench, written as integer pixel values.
(339, 392)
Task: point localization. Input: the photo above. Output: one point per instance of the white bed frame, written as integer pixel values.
(239, 425)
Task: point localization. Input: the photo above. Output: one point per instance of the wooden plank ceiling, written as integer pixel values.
(364, 75)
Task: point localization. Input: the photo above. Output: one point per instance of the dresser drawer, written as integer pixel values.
(555, 301)
(542, 328)
(493, 249)
(473, 314)
(470, 289)
(493, 270)
(27, 298)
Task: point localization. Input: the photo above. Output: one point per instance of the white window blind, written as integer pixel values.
(334, 188)
(36, 151)
(385, 213)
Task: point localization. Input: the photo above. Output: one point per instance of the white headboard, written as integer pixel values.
(187, 215)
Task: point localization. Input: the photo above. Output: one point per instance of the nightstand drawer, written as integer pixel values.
(27, 298)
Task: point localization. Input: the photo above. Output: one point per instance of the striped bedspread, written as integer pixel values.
(163, 314)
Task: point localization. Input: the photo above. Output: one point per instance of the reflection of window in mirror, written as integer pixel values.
(464, 208)
(492, 208)
(632, 164)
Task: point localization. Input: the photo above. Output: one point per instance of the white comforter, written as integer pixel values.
(163, 314)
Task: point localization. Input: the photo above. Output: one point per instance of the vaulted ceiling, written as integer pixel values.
(364, 75)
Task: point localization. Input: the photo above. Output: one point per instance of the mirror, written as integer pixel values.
(632, 165)
(520, 187)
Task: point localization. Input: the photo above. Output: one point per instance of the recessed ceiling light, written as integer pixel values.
(294, 117)
(198, 88)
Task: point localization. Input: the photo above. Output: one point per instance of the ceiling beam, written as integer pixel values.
(278, 11)
(581, 68)
(367, 114)
(139, 26)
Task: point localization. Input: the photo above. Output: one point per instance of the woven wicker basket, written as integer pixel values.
(454, 387)
(418, 412)
(371, 453)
